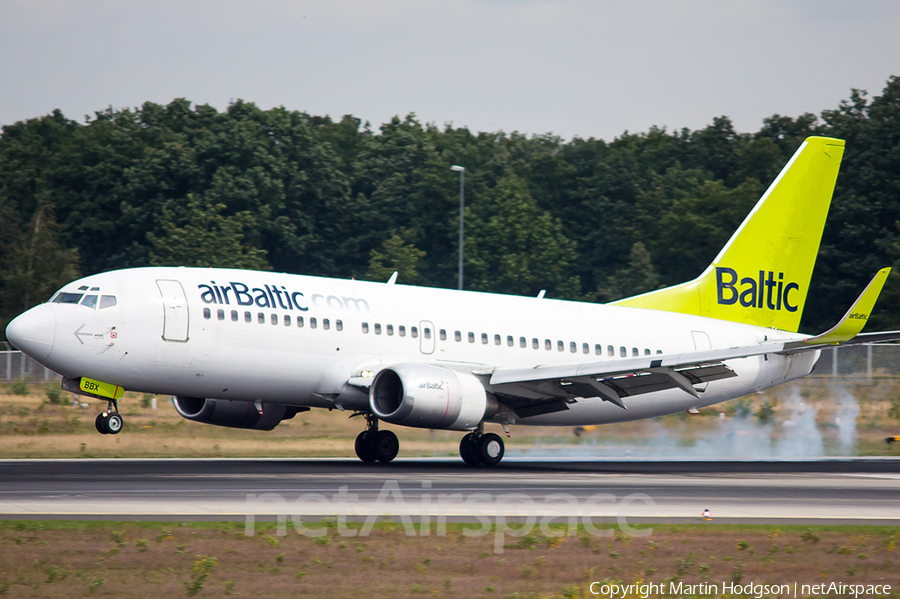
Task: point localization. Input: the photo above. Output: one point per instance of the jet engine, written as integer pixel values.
(428, 396)
(234, 413)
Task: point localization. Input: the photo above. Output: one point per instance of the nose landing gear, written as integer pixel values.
(109, 422)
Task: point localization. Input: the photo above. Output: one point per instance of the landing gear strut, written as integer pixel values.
(480, 448)
(374, 445)
(110, 422)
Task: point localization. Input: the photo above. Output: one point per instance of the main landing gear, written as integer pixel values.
(110, 422)
(480, 448)
(374, 445)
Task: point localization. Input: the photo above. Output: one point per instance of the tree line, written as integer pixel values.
(585, 219)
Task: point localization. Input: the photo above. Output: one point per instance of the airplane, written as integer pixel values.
(249, 349)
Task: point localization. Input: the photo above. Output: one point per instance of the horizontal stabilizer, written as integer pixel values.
(853, 321)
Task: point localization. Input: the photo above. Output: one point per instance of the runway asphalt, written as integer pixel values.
(841, 490)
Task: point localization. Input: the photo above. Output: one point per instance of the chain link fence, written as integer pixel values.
(878, 360)
(14, 365)
(869, 360)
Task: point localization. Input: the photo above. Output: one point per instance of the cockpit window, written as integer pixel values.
(89, 301)
(67, 298)
(107, 301)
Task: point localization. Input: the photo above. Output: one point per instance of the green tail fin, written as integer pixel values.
(762, 274)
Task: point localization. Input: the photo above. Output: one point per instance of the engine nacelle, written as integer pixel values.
(233, 413)
(429, 397)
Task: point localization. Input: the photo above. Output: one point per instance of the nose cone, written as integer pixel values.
(34, 331)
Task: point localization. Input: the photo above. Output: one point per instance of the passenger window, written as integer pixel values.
(659, 351)
(207, 314)
(548, 345)
(646, 352)
(560, 346)
(90, 301)
(300, 321)
(274, 318)
(623, 352)
(598, 349)
(522, 342)
(585, 348)
(535, 344)
(389, 329)
(313, 323)
(287, 320)
(496, 339)
(635, 352)
(484, 339)
(457, 336)
(611, 351)
(413, 332)
(220, 313)
(573, 347)
(107, 301)
(261, 318)
(401, 330)
(427, 332)
(339, 325)
(234, 316)
(509, 341)
(471, 337)
(377, 328)
(365, 327)
(326, 324)
(247, 317)
(443, 334)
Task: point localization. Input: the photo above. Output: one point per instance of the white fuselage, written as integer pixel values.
(234, 334)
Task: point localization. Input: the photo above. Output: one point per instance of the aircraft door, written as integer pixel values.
(426, 337)
(175, 310)
(701, 342)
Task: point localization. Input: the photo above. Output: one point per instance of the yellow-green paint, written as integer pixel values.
(776, 245)
(857, 316)
(101, 389)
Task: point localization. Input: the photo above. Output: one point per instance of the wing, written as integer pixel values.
(546, 389)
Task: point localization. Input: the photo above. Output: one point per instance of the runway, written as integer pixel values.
(850, 490)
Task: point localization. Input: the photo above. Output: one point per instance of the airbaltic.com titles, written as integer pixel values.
(736, 589)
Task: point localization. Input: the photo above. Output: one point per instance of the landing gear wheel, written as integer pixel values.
(100, 424)
(114, 423)
(386, 446)
(365, 448)
(467, 449)
(489, 449)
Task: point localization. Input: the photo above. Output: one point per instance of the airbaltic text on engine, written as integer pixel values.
(752, 294)
(270, 296)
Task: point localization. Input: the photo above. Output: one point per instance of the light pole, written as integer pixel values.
(462, 203)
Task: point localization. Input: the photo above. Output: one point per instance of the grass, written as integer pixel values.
(43, 423)
(67, 558)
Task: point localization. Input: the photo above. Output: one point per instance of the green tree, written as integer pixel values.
(33, 264)
(196, 233)
(512, 246)
(395, 255)
(638, 277)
